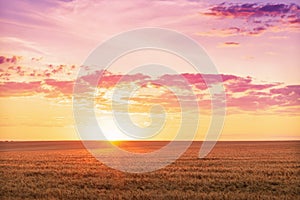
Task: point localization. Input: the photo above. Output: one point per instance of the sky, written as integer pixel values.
(253, 44)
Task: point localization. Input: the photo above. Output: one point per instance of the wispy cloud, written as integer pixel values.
(13, 44)
(229, 44)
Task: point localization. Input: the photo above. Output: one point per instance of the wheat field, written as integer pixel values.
(233, 170)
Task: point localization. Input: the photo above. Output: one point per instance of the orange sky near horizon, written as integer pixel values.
(253, 45)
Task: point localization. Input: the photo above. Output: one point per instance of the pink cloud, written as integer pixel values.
(109, 80)
(8, 89)
(242, 92)
(12, 68)
(63, 87)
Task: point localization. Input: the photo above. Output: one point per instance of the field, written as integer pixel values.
(233, 170)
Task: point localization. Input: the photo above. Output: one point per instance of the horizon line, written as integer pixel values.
(288, 140)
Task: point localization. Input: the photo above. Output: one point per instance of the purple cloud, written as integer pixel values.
(259, 17)
(13, 59)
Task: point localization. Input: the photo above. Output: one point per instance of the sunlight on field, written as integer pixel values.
(233, 170)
